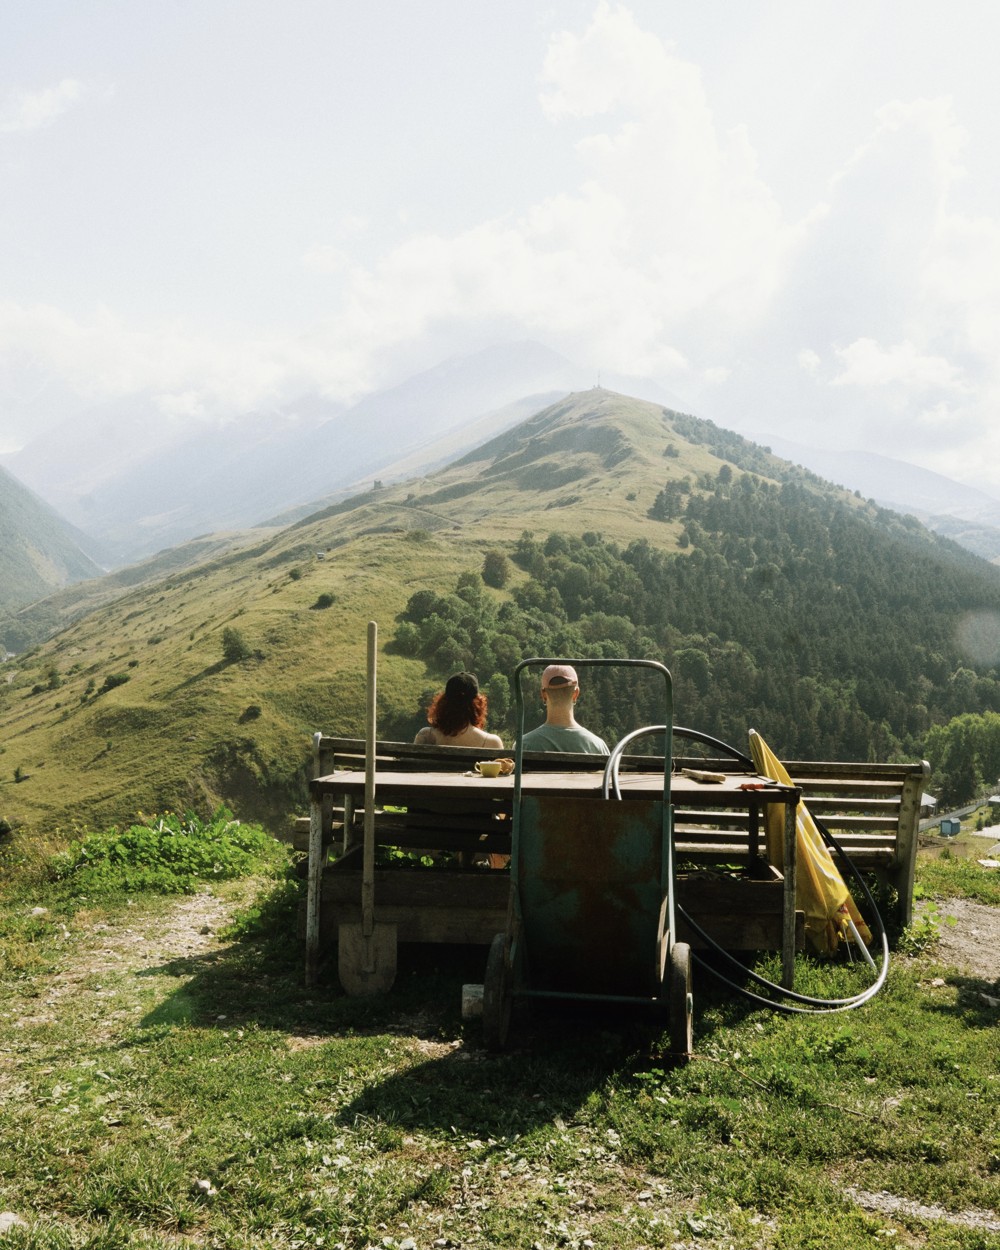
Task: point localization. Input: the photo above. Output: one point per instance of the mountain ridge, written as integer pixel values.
(626, 527)
(144, 484)
(969, 515)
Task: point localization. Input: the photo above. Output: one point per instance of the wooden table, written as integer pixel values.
(456, 791)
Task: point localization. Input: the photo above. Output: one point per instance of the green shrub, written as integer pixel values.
(234, 646)
(166, 854)
(496, 569)
(112, 680)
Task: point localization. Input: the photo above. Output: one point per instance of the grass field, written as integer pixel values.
(168, 1081)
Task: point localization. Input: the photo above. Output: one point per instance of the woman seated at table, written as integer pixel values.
(457, 715)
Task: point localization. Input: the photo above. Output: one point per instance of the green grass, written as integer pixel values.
(949, 877)
(213, 1100)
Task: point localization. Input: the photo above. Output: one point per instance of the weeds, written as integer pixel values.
(166, 854)
(925, 930)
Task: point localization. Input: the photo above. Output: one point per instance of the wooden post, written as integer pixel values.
(788, 901)
(906, 842)
(313, 889)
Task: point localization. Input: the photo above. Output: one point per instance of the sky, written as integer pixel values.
(786, 213)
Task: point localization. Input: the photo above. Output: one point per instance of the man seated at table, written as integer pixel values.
(561, 730)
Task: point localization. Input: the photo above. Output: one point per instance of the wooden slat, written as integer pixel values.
(889, 825)
(820, 804)
(706, 852)
(798, 770)
(848, 788)
(684, 817)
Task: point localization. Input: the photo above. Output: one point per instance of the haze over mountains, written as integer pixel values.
(969, 516)
(130, 487)
(141, 482)
(39, 551)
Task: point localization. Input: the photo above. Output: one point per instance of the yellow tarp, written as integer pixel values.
(820, 891)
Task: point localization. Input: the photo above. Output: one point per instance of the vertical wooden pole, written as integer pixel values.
(313, 888)
(788, 899)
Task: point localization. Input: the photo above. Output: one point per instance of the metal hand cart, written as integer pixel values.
(591, 913)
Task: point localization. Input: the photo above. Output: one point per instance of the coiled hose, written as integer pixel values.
(610, 788)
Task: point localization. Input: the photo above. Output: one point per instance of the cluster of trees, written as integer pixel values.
(828, 625)
(965, 756)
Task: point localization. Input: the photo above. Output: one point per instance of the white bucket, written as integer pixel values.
(472, 1002)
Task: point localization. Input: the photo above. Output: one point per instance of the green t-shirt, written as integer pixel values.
(563, 738)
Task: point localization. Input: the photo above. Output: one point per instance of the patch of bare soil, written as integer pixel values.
(890, 1204)
(188, 928)
(972, 943)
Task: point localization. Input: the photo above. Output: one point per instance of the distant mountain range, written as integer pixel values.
(968, 516)
(39, 551)
(838, 629)
(136, 482)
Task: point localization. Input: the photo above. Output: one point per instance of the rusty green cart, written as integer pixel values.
(591, 914)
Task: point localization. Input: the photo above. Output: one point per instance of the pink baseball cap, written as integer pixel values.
(559, 675)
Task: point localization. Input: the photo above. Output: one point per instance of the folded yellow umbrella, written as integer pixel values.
(831, 916)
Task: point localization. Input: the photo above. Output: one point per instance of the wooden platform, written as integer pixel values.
(428, 804)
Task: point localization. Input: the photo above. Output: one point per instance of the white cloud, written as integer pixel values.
(102, 358)
(613, 63)
(33, 110)
(923, 131)
(867, 363)
(670, 242)
(667, 254)
(654, 263)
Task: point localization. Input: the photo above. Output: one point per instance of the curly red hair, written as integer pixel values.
(450, 716)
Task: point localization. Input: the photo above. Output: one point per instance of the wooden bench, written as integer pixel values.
(872, 810)
(723, 882)
(748, 906)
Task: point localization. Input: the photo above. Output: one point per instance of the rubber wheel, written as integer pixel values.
(498, 996)
(681, 1002)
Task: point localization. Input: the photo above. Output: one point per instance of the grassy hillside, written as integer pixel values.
(135, 706)
(43, 618)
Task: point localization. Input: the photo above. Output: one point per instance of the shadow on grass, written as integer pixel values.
(559, 1054)
(561, 1061)
(978, 999)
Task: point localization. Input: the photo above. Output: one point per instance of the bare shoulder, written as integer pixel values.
(426, 737)
(492, 740)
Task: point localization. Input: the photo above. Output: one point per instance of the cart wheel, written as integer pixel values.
(497, 996)
(681, 1003)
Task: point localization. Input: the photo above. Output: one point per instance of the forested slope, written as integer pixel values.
(836, 628)
(39, 551)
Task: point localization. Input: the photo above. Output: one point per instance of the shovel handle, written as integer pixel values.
(368, 860)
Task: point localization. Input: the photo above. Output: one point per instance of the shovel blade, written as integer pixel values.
(366, 963)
